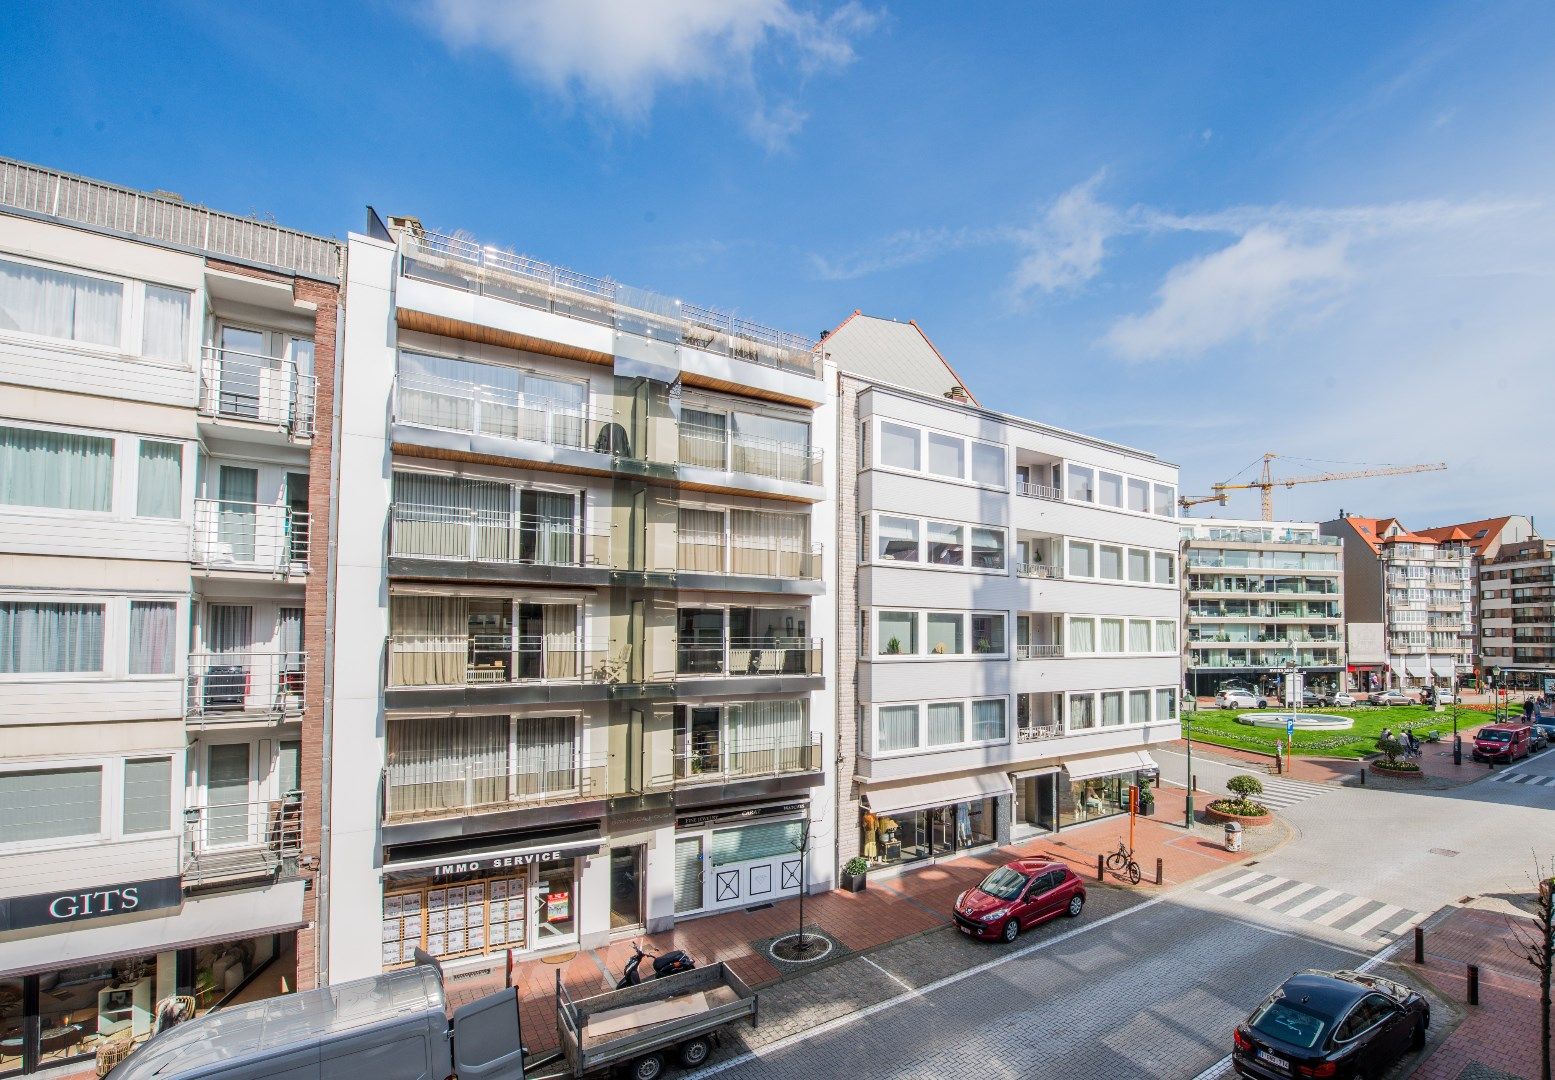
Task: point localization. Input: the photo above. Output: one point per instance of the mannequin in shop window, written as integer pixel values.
(871, 849)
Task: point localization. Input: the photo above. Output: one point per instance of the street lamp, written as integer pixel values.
(1187, 822)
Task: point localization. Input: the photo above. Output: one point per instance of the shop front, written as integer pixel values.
(520, 895)
(740, 856)
(904, 824)
(1098, 787)
(1036, 802)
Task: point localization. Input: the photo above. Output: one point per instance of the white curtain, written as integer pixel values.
(767, 736)
(1082, 636)
(291, 639)
(442, 392)
(58, 305)
(560, 624)
(702, 438)
(546, 756)
(898, 727)
(165, 333)
(1138, 636)
(1082, 712)
(700, 543)
(1165, 637)
(1111, 635)
(490, 506)
(947, 723)
(159, 483)
(50, 637)
(55, 469)
(549, 516)
(447, 763)
(988, 723)
(556, 408)
(430, 640)
(1111, 709)
(1139, 706)
(152, 637)
(430, 518)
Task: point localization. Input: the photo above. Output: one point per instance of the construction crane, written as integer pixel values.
(1266, 483)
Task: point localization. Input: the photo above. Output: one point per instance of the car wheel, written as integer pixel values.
(1262, 704)
(693, 1053)
(1417, 1037)
(1011, 930)
(1076, 905)
(650, 1067)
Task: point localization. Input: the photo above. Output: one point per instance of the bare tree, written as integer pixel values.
(1538, 948)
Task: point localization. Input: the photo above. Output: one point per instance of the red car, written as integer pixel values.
(1018, 896)
(1503, 742)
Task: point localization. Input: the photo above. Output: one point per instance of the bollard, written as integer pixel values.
(1193, 782)
(1473, 984)
(1363, 776)
(1159, 875)
(1419, 945)
(1100, 871)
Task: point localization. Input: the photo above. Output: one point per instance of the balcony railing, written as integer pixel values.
(261, 537)
(488, 659)
(428, 531)
(741, 758)
(748, 557)
(1038, 491)
(752, 455)
(232, 685)
(1038, 732)
(1038, 652)
(265, 389)
(232, 841)
(427, 784)
(1253, 536)
(1039, 570)
(501, 412)
(518, 279)
(749, 656)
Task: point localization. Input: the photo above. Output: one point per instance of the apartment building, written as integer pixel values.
(1517, 613)
(1261, 598)
(581, 559)
(166, 381)
(1484, 539)
(1007, 643)
(1414, 592)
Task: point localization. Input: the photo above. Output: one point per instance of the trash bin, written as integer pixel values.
(1233, 836)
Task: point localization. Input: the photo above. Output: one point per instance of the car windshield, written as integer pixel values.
(1285, 1022)
(1495, 736)
(1004, 883)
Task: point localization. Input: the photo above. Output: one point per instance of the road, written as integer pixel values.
(1154, 990)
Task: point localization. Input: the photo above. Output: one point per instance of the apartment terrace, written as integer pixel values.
(227, 843)
(265, 390)
(245, 686)
(262, 538)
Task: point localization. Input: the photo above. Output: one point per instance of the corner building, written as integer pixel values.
(1008, 644)
(579, 690)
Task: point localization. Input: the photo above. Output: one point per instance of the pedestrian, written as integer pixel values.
(1387, 733)
(1528, 708)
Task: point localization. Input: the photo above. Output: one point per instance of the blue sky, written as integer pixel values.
(1207, 230)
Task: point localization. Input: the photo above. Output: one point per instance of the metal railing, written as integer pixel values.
(1201, 558)
(753, 455)
(487, 659)
(265, 389)
(739, 758)
(430, 531)
(172, 221)
(1038, 652)
(238, 684)
(426, 784)
(746, 556)
(501, 412)
(1254, 536)
(1039, 570)
(1038, 732)
(231, 841)
(250, 536)
(750, 656)
(518, 279)
(1038, 491)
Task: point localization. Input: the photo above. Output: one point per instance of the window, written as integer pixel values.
(148, 794)
(165, 324)
(55, 469)
(1082, 712)
(988, 633)
(1139, 706)
(152, 637)
(1138, 565)
(899, 446)
(988, 721)
(1164, 501)
(50, 303)
(1111, 563)
(1110, 489)
(897, 727)
(1111, 635)
(944, 633)
(947, 723)
(988, 549)
(1165, 636)
(898, 539)
(1165, 568)
(764, 841)
(1112, 708)
(1165, 705)
(898, 633)
(988, 465)
(1082, 635)
(946, 544)
(1082, 483)
(947, 455)
(1139, 496)
(50, 805)
(1138, 636)
(46, 637)
(1082, 559)
(159, 485)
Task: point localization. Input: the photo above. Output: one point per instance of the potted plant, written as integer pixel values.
(893, 646)
(855, 873)
(1146, 798)
(939, 650)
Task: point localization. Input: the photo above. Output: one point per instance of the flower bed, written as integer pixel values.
(1384, 767)
(1246, 811)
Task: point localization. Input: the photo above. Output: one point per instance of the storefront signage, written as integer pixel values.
(96, 902)
(497, 862)
(741, 815)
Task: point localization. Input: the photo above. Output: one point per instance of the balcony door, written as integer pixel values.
(297, 517)
(244, 367)
(229, 639)
(237, 489)
(547, 528)
(228, 791)
(701, 641)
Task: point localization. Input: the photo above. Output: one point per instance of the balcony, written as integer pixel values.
(748, 657)
(1039, 652)
(1036, 733)
(1038, 491)
(1039, 570)
(258, 389)
(431, 660)
(742, 759)
(418, 785)
(226, 843)
(253, 537)
(446, 541)
(503, 413)
(748, 556)
(238, 686)
(721, 450)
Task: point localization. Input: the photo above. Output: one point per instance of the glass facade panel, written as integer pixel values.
(899, 446)
(898, 633)
(947, 455)
(1082, 559)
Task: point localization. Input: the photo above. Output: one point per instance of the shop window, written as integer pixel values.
(898, 633)
(896, 727)
(943, 631)
(946, 544)
(899, 446)
(947, 723)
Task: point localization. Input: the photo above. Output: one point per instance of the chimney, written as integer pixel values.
(957, 393)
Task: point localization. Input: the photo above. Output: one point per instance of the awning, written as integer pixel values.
(1027, 774)
(456, 857)
(1419, 669)
(905, 798)
(1444, 669)
(1398, 667)
(1110, 765)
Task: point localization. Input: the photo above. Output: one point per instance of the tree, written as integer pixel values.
(1538, 948)
(1245, 785)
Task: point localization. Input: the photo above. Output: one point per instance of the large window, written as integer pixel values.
(56, 469)
(1138, 635)
(988, 549)
(1165, 705)
(1165, 568)
(1111, 635)
(988, 464)
(946, 544)
(898, 538)
(940, 453)
(1138, 496)
(54, 304)
(148, 794)
(940, 725)
(947, 723)
(945, 633)
(1111, 564)
(988, 634)
(947, 455)
(898, 728)
(1118, 491)
(1112, 709)
(1082, 483)
(50, 638)
(152, 637)
(1165, 636)
(159, 485)
(50, 804)
(165, 324)
(1082, 712)
(1165, 503)
(1138, 565)
(1082, 636)
(898, 633)
(1082, 559)
(1110, 489)
(988, 720)
(899, 446)
(1139, 706)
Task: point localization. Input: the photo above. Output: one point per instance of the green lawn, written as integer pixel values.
(1220, 727)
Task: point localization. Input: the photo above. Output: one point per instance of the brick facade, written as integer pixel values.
(848, 390)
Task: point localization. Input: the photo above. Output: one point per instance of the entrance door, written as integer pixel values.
(228, 768)
(688, 874)
(626, 878)
(237, 489)
(554, 901)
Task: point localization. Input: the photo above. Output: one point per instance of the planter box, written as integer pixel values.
(855, 882)
(1406, 774)
(1248, 822)
(1147, 809)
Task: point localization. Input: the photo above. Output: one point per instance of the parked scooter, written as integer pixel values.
(670, 963)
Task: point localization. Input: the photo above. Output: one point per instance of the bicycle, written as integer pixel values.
(1122, 860)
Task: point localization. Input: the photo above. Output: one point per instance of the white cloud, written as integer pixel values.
(905, 247)
(617, 54)
(1231, 293)
(1066, 247)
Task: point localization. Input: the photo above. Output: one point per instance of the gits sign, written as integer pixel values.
(69, 907)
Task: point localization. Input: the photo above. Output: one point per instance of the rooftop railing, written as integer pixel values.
(265, 389)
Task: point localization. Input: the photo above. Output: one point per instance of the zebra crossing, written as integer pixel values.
(1280, 792)
(1531, 779)
(1328, 908)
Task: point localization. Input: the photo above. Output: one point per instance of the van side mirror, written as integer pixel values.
(421, 956)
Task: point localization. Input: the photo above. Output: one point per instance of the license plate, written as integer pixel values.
(965, 929)
(1273, 1059)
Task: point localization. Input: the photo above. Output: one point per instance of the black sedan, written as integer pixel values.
(1340, 1024)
